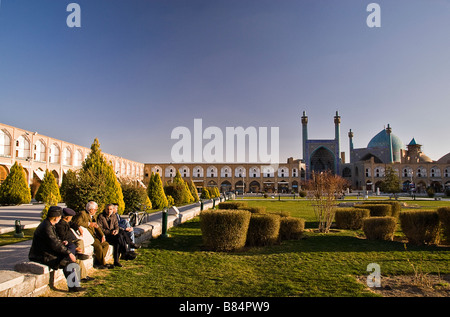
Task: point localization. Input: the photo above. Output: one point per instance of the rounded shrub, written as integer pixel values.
(254, 210)
(291, 228)
(350, 218)
(420, 226)
(233, 205)
(444, 218)
(263, 229)
(379, 228)
(224, 230)
(377, 210)
(395, 206)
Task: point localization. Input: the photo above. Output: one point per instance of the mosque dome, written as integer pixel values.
(381, 140)
(445, 159)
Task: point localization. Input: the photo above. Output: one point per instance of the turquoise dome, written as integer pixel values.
(381, 140)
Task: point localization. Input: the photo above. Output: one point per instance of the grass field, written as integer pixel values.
(320, 265)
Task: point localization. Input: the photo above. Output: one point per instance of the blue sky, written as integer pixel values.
(137, 69)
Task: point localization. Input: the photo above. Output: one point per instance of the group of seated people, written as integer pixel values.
(60, 240)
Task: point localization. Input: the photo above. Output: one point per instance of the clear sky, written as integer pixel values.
(137, 69)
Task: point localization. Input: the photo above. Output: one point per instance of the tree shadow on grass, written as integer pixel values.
(187, 238)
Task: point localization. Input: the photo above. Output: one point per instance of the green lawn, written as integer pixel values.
(319, 265)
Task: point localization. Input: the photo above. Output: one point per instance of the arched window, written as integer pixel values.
(5, 144)
(22, 147)
(39, 151)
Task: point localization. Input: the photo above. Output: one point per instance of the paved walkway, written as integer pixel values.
(29, 216)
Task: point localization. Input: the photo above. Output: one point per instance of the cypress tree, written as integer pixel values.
(15, 190)
(205, 193)
(193, 191)
(186, 196)
(97, 163)
(70, 177)
(155, 192)
(49, 190)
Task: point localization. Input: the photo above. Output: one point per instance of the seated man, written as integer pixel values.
(48, 249)
(75, 245)
(86, 219)
(110, 226)
(124, 225)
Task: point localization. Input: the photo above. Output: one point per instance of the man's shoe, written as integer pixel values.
(87, 279)
(100, 267)
(76, 289)
(118, 264)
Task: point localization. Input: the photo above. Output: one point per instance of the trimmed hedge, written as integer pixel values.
(263, 229)
(254, 210)
(224, 230)
(420, 226)
(350, 218)
(377, 210)
(379, 228)
(444, 218)
(291, 228)
(233, 205)
(395, 205)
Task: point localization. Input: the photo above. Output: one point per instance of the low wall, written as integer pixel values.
(30, 279)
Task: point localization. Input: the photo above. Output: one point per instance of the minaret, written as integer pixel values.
(350, 141)
(304, 134)
(391, 154)
(337, 134)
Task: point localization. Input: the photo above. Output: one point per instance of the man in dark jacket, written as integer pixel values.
(76, 246)
(48, 249)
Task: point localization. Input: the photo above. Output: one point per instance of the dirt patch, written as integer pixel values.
(412, 286)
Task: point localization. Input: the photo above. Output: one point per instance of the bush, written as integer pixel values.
(420, 226)
(15, 190)
(253, 210)
(135, 197)
(350, 218)
(263, 229)
(233, 205)
(155, 192)
(379, 228)
(224, 230)
(48, 188)
(377, 210)
(178, 192)
(205, 194)
(444, 218)
(291, 228)
(395, 206)
(281, 213)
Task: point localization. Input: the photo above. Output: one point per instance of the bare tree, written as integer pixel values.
(322, 190)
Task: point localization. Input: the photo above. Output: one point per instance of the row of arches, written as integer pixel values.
(41, 150)
(23, 148)
(225, 171)
(405, 172)
(255, 186)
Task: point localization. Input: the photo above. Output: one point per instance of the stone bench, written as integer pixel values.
(31, 279)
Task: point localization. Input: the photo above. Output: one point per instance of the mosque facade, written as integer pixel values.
(364, 170)
(366, 167)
